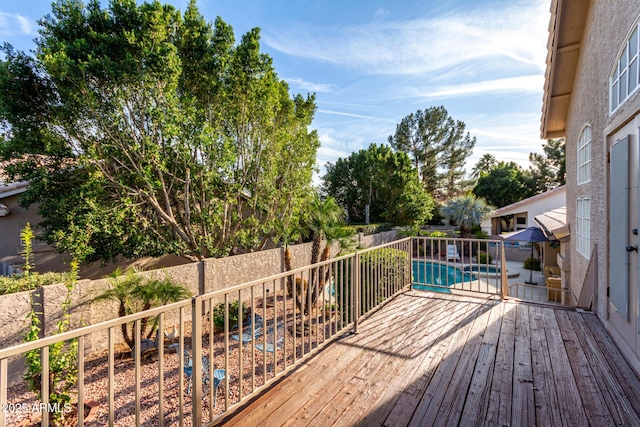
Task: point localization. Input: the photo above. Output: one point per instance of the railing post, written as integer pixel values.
(3, 389)
(356, 290)
(503, 272)
(196, 360)
(410, 267)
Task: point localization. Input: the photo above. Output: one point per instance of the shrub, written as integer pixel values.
(480, 234)
(368, 229)
(484, 258)
(532, 264)
(393, 269)
(438, 234)
(218, 314)
(20, 282)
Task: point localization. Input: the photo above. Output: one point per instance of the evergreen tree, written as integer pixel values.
(437, 145)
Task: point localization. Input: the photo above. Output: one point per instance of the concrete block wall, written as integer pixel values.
(199, 277)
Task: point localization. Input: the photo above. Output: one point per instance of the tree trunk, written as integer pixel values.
(288, 264)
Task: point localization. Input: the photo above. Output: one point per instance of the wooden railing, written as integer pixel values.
(221, 362)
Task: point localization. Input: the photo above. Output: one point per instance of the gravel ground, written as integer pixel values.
(96, 372)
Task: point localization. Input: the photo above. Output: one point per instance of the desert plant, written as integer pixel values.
(134, 294)
(466, 211)
(532, 264)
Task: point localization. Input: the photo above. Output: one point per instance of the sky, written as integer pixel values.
(371, 63)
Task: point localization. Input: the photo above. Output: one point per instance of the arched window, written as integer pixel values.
(624, 79)
(584, 155)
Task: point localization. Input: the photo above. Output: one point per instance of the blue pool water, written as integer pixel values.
(429, 273)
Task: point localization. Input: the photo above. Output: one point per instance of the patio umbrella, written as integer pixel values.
(531, 235)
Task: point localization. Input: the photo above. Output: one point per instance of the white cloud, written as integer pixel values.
(509, 137)
(310, 86)
(532, 83)
(514, 34)
(359, 116)
(12, 24)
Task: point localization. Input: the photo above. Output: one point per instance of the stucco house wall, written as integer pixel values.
(604, 31)
(529, 208)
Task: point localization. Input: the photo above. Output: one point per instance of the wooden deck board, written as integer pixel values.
(546, 398)
(477, 402)
(499, 409)
(592, 399)
(438, 359)
(619, 405)
(434, 395)
(522, 407)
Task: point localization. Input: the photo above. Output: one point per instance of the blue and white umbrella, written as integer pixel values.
(532, 235)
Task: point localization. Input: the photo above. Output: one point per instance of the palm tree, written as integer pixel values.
(324, 220)
(134, 294)
(323, 217)
(467, 211)
(484, 165)
(288, 233)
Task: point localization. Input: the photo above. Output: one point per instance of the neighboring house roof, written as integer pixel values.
(554, 223)
(568, 19)
(518, 206)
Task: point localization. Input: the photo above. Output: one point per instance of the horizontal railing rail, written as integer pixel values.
(227, 345)
(540, 293)
(458, 264)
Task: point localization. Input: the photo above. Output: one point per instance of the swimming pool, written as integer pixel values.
(432, 273)
(483, 269)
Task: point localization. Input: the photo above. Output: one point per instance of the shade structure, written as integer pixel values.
(531, 234)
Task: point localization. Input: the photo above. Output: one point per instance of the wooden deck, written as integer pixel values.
(435, 359)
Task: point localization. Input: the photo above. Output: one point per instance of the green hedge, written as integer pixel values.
(368, 229)
(19, 283)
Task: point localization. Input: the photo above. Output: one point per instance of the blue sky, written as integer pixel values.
(371, 63)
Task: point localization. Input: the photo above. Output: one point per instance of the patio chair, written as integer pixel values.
(249, 320)
(452, 252)
(274, 339)
(188, 372)
(218, 376)
(247, 337)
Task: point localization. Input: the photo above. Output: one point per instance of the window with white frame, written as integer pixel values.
(584, 156)
(583, 226)
(624, 80)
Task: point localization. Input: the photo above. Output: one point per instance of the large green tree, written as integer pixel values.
(145, 131)
(438, 146)
(548, 169)
(383, 179)
(505, 184)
